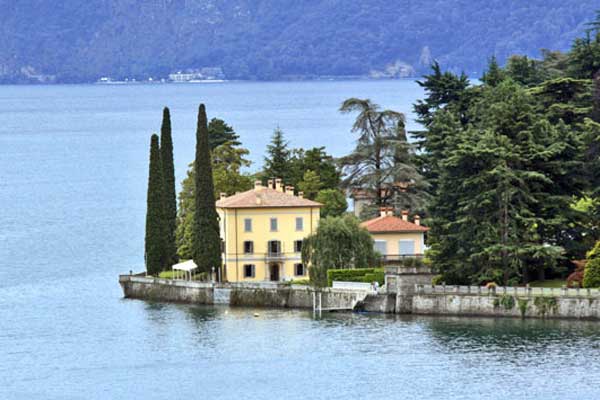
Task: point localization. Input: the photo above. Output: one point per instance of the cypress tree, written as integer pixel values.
(207, 241)
(155, 213)
(170, 197)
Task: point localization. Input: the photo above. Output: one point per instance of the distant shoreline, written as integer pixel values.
(212, 82)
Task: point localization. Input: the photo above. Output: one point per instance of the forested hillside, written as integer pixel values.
(75, 41)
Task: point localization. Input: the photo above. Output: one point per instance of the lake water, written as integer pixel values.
(73, 170)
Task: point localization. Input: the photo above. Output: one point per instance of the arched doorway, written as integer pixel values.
(274, 272)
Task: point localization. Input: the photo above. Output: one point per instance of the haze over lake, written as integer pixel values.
(73, 175)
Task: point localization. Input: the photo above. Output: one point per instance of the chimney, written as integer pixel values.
(270, 183)
(404, 215)
(301, 195)
(278, 185)
(223, 195)
(289, 190)
(382, 211)
(257, 185)
(417, 220)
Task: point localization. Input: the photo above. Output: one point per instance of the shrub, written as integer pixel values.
(594, 252)
(437, 280)
(367, 275)
(591, 276)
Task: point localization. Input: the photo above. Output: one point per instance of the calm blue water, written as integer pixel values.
(73, 165)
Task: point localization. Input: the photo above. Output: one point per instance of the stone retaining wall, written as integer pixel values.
(248, 294)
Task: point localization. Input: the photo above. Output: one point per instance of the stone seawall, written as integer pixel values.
(416, 299)
(251, 295)
(507, 306)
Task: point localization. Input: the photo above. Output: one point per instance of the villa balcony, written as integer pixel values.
(398, 258)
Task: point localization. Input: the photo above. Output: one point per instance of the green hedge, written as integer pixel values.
(591, 276)
(367, 275)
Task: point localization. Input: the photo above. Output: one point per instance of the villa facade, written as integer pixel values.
(396, 238)
(263, 229)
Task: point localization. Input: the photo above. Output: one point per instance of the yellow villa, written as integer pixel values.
(262, 230)
(395, 237)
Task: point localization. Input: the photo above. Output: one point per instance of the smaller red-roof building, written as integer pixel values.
(397, 237)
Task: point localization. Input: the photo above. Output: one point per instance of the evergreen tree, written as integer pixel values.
(227, 162)
(443, 90)
(277, 162)
(206, 234)
(334, 202)
(382, 162)
(168, 168)
(504, 184)
(316, 160)
(494, 74)
(310, 184)
(156, 229)
(219, 133)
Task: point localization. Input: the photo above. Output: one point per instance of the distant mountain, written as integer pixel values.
(81, 41)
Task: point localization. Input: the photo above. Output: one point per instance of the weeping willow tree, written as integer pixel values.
(339, 242)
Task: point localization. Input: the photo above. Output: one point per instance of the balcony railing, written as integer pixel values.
(398, 258)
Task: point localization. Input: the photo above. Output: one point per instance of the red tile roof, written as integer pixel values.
(391, 224)
(264, 198)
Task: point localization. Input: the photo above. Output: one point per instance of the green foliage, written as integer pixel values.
(523, 306)
(338, 243)
(437, 279)
(503, 184)
(156, 255)
(310, 184)
(383, 162)
(227, 162)
(277, 162)
(316, 160)
(594, 252)
(494, 74)
(170, 197)
(220, 133)
(506, 301)
(591, 276)
(545, 305)
(523, 70)
(206, 236)
(366, 275)
(334, 202)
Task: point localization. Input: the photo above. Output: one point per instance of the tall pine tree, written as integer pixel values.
(207, 240)
(156, 229)
(277, 161)
(170, 196)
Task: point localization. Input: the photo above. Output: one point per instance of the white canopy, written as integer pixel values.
(187, 266)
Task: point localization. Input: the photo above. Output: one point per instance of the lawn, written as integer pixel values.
(552, 283)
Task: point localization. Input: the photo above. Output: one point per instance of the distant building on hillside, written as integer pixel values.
(263, 229)
(202, 74)
(396, 238)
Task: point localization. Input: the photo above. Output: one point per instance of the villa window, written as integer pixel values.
(406, 247)
(249, 271)
(298, 246)
(299, 223)
(274, 247)
(248, 247)
(381, 247)
(299, 270)
(248, 225)
(273, 224)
